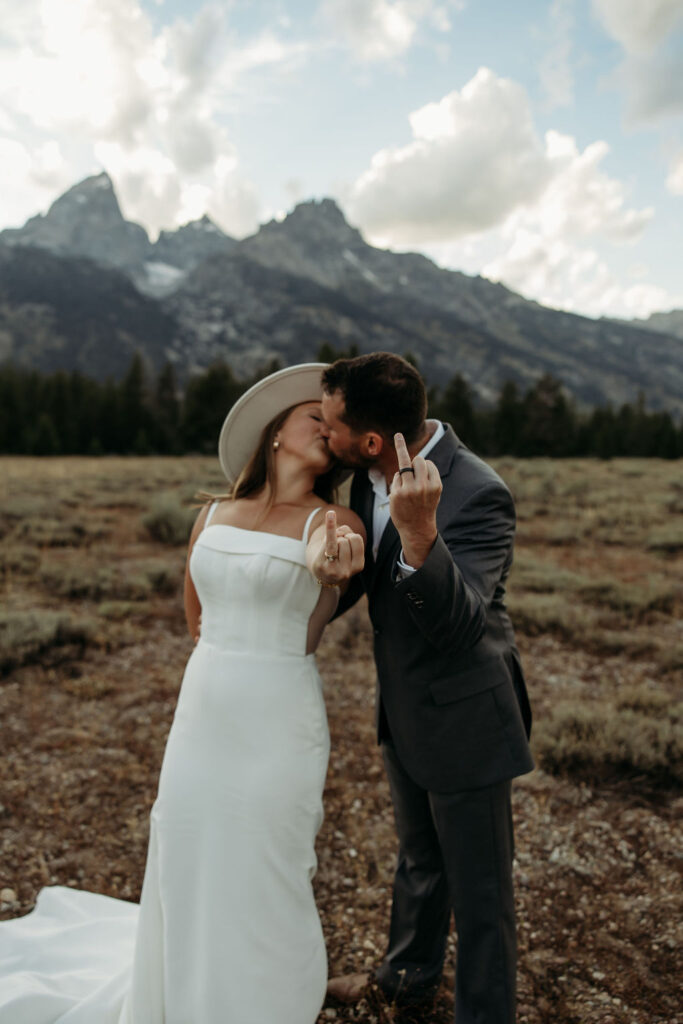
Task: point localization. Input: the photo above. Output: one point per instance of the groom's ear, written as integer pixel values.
(373, 444)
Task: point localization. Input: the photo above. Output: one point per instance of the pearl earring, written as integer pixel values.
(276, 445)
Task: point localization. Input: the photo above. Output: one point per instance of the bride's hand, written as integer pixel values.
(341, 555)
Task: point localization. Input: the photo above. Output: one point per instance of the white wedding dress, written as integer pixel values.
(227, 931)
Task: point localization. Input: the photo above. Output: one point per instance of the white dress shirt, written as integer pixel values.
(380, 511)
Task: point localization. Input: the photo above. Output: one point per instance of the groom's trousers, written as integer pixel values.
(455, 854)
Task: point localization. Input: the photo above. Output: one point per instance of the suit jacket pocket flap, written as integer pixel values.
(472, 680)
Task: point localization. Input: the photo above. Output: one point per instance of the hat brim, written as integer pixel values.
(243, 426)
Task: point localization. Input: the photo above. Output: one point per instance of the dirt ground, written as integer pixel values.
(83, 729)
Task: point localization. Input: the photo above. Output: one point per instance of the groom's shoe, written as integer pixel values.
(349, 988)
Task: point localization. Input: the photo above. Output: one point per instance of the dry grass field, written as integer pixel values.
(92, 649)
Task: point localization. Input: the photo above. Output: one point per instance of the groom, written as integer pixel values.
(453, 715)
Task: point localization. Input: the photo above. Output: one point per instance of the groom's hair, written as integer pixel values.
(382, 392)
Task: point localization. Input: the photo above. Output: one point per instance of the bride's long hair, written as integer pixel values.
(260, 471)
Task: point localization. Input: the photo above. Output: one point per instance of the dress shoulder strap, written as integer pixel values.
(212, 509)
(307, 526)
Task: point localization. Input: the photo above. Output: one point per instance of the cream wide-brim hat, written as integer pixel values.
(243, 426)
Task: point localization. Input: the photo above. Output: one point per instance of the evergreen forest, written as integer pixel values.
(66, 413)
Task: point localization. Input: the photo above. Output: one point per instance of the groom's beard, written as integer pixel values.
(353, 458)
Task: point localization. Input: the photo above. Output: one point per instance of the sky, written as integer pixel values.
(535, 143)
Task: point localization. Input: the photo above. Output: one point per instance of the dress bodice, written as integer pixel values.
(256, 592)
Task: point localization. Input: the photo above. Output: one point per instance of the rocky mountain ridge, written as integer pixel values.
(297, 283)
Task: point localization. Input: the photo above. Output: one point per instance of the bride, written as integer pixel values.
(227, 930)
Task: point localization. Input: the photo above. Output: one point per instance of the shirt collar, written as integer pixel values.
(376, 476)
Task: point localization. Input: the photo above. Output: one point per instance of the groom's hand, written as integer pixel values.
(341, 554)
(415, 493)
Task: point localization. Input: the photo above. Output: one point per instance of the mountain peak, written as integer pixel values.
(320, 212)
(190, 244)
(96, 193)
(315, 222)
(86, 221)
(205, 224)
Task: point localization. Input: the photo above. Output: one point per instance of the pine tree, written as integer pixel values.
(326, 353)
(599, 435)
(109, 418)
(45, 440)
(208, 399)
(549, 424)
(507, 420)
(134, 412)
(167, 412)
(457, 408)
(663, 439)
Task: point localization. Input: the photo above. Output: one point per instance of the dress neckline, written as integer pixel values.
(303, 539)
(262, 533)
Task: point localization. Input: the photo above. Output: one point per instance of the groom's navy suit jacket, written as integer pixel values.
(451, 691)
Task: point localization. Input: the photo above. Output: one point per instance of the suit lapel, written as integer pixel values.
(443, 453)
(390, 539)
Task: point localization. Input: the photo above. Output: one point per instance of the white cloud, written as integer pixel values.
(547, 250)
(653, 85)
(154, 192)
(266, 50)
(30, 178)
(580, 199)
(485, 193)
(378, 30)
(79, 65)
(651, 74)
(562, 274)
(674, 182)
(474, 157)
(144, 104)
(639, 25)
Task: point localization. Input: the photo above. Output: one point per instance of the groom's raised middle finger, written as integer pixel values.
(402, 454)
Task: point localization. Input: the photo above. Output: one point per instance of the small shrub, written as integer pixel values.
(54, 533)
(543, 577)
(668, 539)
(168, 522)
(116, 611)
(630, 598)
(637, 736)
(534, 614)
(670, 657)
(77, 581)
(630, 643)
(88, 687)
(641, 698)
(88, 582)
(37, 636)
(161, 577)
(18, 560)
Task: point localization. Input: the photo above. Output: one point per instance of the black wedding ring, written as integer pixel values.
(407, 469)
